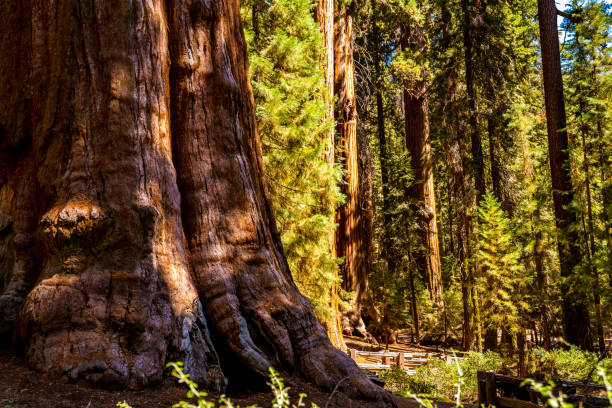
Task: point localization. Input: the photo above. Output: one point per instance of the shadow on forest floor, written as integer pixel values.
(21, 387)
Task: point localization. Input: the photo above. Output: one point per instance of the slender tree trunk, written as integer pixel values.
(350, 233)
(325, 18)
(477, 164)
(450, 204)
(575, 313)
(365, 213)
(490, 340)
(382, 144)
(606, 190)
(542, 284)
(606, 193)
(455, 164)
(590, 247)
(255, 18)
(140, 214)
(384, 174)
(477, 157)
(521, 344)
(492, 127)
(413, 302)
(416, 123)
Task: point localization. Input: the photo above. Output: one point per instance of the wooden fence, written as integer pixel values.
(381, 360)
(503, 391)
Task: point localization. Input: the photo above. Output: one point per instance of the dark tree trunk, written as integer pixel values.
(382, 145)
(384, 175)
(606, 190)
(455, 165)
(139, 213)
(255, 17)
(490, 338)
(590, 245)
(606, 193)
(477, 157)
(414, 304)
(575, 313)
(325, 17)
(501, 176)
(542, 285)
(416, 123)
(366, 206)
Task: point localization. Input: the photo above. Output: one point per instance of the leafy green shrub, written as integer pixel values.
(440, 378)
(551, 396)
(573, 364)
(280, 400)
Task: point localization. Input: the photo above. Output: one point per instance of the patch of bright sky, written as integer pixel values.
(561, 5)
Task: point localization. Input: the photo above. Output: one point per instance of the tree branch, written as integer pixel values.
(574, 18)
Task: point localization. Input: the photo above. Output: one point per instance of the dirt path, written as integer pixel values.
(21, 387)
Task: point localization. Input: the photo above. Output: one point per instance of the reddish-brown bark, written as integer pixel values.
(325, 17)
(575, 313)
(416, 124)
(134, 201)
(350, 232)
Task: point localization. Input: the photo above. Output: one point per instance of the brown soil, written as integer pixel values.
(21, 387)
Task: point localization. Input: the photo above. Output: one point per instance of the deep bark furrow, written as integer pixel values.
(113, 275)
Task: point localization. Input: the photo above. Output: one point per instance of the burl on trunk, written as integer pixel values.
(135, 226)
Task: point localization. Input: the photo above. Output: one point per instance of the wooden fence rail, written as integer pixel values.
(385, 360)
(503, 391)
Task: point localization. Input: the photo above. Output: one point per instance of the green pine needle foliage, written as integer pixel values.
(288, 85)
(500, 275)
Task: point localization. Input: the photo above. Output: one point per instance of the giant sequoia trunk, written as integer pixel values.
(575, 313)
(136, 226)
(350, 232)
(416, 123)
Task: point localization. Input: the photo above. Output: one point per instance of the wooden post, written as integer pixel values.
(386, 360)
(482, 393)
(490, 387)
(400, 360)
(353, 354)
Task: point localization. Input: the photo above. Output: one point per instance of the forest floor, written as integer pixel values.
(21, 387)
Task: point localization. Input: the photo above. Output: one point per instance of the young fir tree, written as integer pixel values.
(500, 275)
(285, 48)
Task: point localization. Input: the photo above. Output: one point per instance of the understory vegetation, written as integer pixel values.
(438, 380)
(453, 381)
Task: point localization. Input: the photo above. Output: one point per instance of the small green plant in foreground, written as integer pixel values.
(281, 393)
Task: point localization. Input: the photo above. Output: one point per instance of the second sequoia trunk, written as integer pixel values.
(325, 18)
(132, 188)
(350, 235)
(575, 313)
(416, 120)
